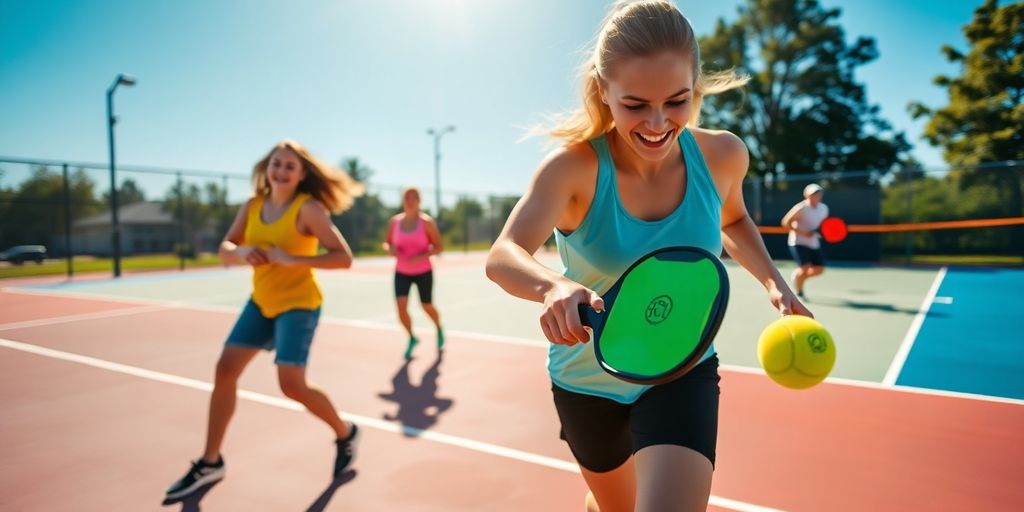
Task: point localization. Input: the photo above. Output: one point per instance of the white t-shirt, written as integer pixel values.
(808, 219)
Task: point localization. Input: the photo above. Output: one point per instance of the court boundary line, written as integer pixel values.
(343, 322)
(375, 423)
(900, 358)
(510, 340)
(42, 322)
(941, 393)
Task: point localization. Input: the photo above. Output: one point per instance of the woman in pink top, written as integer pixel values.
(412, 237)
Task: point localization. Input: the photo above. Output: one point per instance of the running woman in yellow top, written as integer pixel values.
(278, 232)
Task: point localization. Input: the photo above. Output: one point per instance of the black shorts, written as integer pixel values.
(603, 434)
(424, 284)
(807, 256)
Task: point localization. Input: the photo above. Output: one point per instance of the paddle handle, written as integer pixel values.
(584, 310)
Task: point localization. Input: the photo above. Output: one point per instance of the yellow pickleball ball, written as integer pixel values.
(796, 351)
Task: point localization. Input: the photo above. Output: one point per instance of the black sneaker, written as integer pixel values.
(346, 449)
(200, 474)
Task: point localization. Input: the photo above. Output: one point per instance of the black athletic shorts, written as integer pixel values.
(603, 434)
(424, 284)
(805, 255)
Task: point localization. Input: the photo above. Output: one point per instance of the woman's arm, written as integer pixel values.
(434, 234)
(315, 219)
(388, 244)
(511, 265)
(740, 236)
(231, 250)
(789, 220)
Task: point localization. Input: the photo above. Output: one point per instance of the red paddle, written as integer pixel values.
(833, 230)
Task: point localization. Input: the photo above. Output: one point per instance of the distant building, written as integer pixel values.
(145, 228)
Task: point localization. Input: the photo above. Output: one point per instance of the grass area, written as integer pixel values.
(85, 264)
(960, 259)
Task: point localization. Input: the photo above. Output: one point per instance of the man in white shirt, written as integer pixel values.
(803, 220)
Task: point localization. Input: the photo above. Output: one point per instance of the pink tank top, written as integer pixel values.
(409, 244)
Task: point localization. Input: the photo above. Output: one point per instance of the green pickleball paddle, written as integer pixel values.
(660, 316)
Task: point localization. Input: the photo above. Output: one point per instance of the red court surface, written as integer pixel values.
(104, 405)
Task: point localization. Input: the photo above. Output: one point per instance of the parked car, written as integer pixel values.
(21, 253)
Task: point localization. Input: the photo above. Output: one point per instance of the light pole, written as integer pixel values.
(115, 225)
(437, 134)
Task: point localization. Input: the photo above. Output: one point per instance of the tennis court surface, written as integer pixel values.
(105, 384)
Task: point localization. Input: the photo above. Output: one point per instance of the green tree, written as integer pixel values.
(458, 219)
(221, 213)
(984, 120)
(500, 208)
(200, 209)
(128, 193)
(803, 110)
(33, 213)
(362, 225)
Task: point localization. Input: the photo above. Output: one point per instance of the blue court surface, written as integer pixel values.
(972, 338)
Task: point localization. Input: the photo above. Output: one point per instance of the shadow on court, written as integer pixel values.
(876, 306)
(418, 406)
(190, 503)
(321, 502)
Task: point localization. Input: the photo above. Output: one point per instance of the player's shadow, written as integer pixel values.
(877, 306)
(418, 406)
(190, 502)
(325, 497)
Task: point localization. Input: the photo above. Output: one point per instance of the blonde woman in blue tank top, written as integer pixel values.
(635, 174)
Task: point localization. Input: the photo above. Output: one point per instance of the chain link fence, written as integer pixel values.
(181, 215)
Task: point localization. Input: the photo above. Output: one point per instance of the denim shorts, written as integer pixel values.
(290, 333)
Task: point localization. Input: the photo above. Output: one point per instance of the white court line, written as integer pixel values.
(78, 318)
(365, 324)
(448, 307)
(282, 403)
(526, 342)
(908, 341)
(839, 381)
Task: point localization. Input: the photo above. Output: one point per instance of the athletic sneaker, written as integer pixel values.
(412, 344)
(440, 338)
(200, 474)
(346, 449)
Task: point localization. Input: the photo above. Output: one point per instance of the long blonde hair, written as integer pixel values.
(329, 185)
(637, 28)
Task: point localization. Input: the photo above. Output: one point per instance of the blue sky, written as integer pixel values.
(220, 81)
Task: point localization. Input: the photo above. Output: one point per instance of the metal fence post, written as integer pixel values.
(909, 250)
(67, 221)
(181, 223)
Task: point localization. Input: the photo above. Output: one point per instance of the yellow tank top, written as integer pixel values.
(279, 288)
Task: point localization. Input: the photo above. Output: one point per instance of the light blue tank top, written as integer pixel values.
(610, 239)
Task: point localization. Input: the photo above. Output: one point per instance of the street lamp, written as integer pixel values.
(115, 225)
(437, 134)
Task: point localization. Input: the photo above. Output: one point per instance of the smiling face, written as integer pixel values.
(285, 171)
(650, 98)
